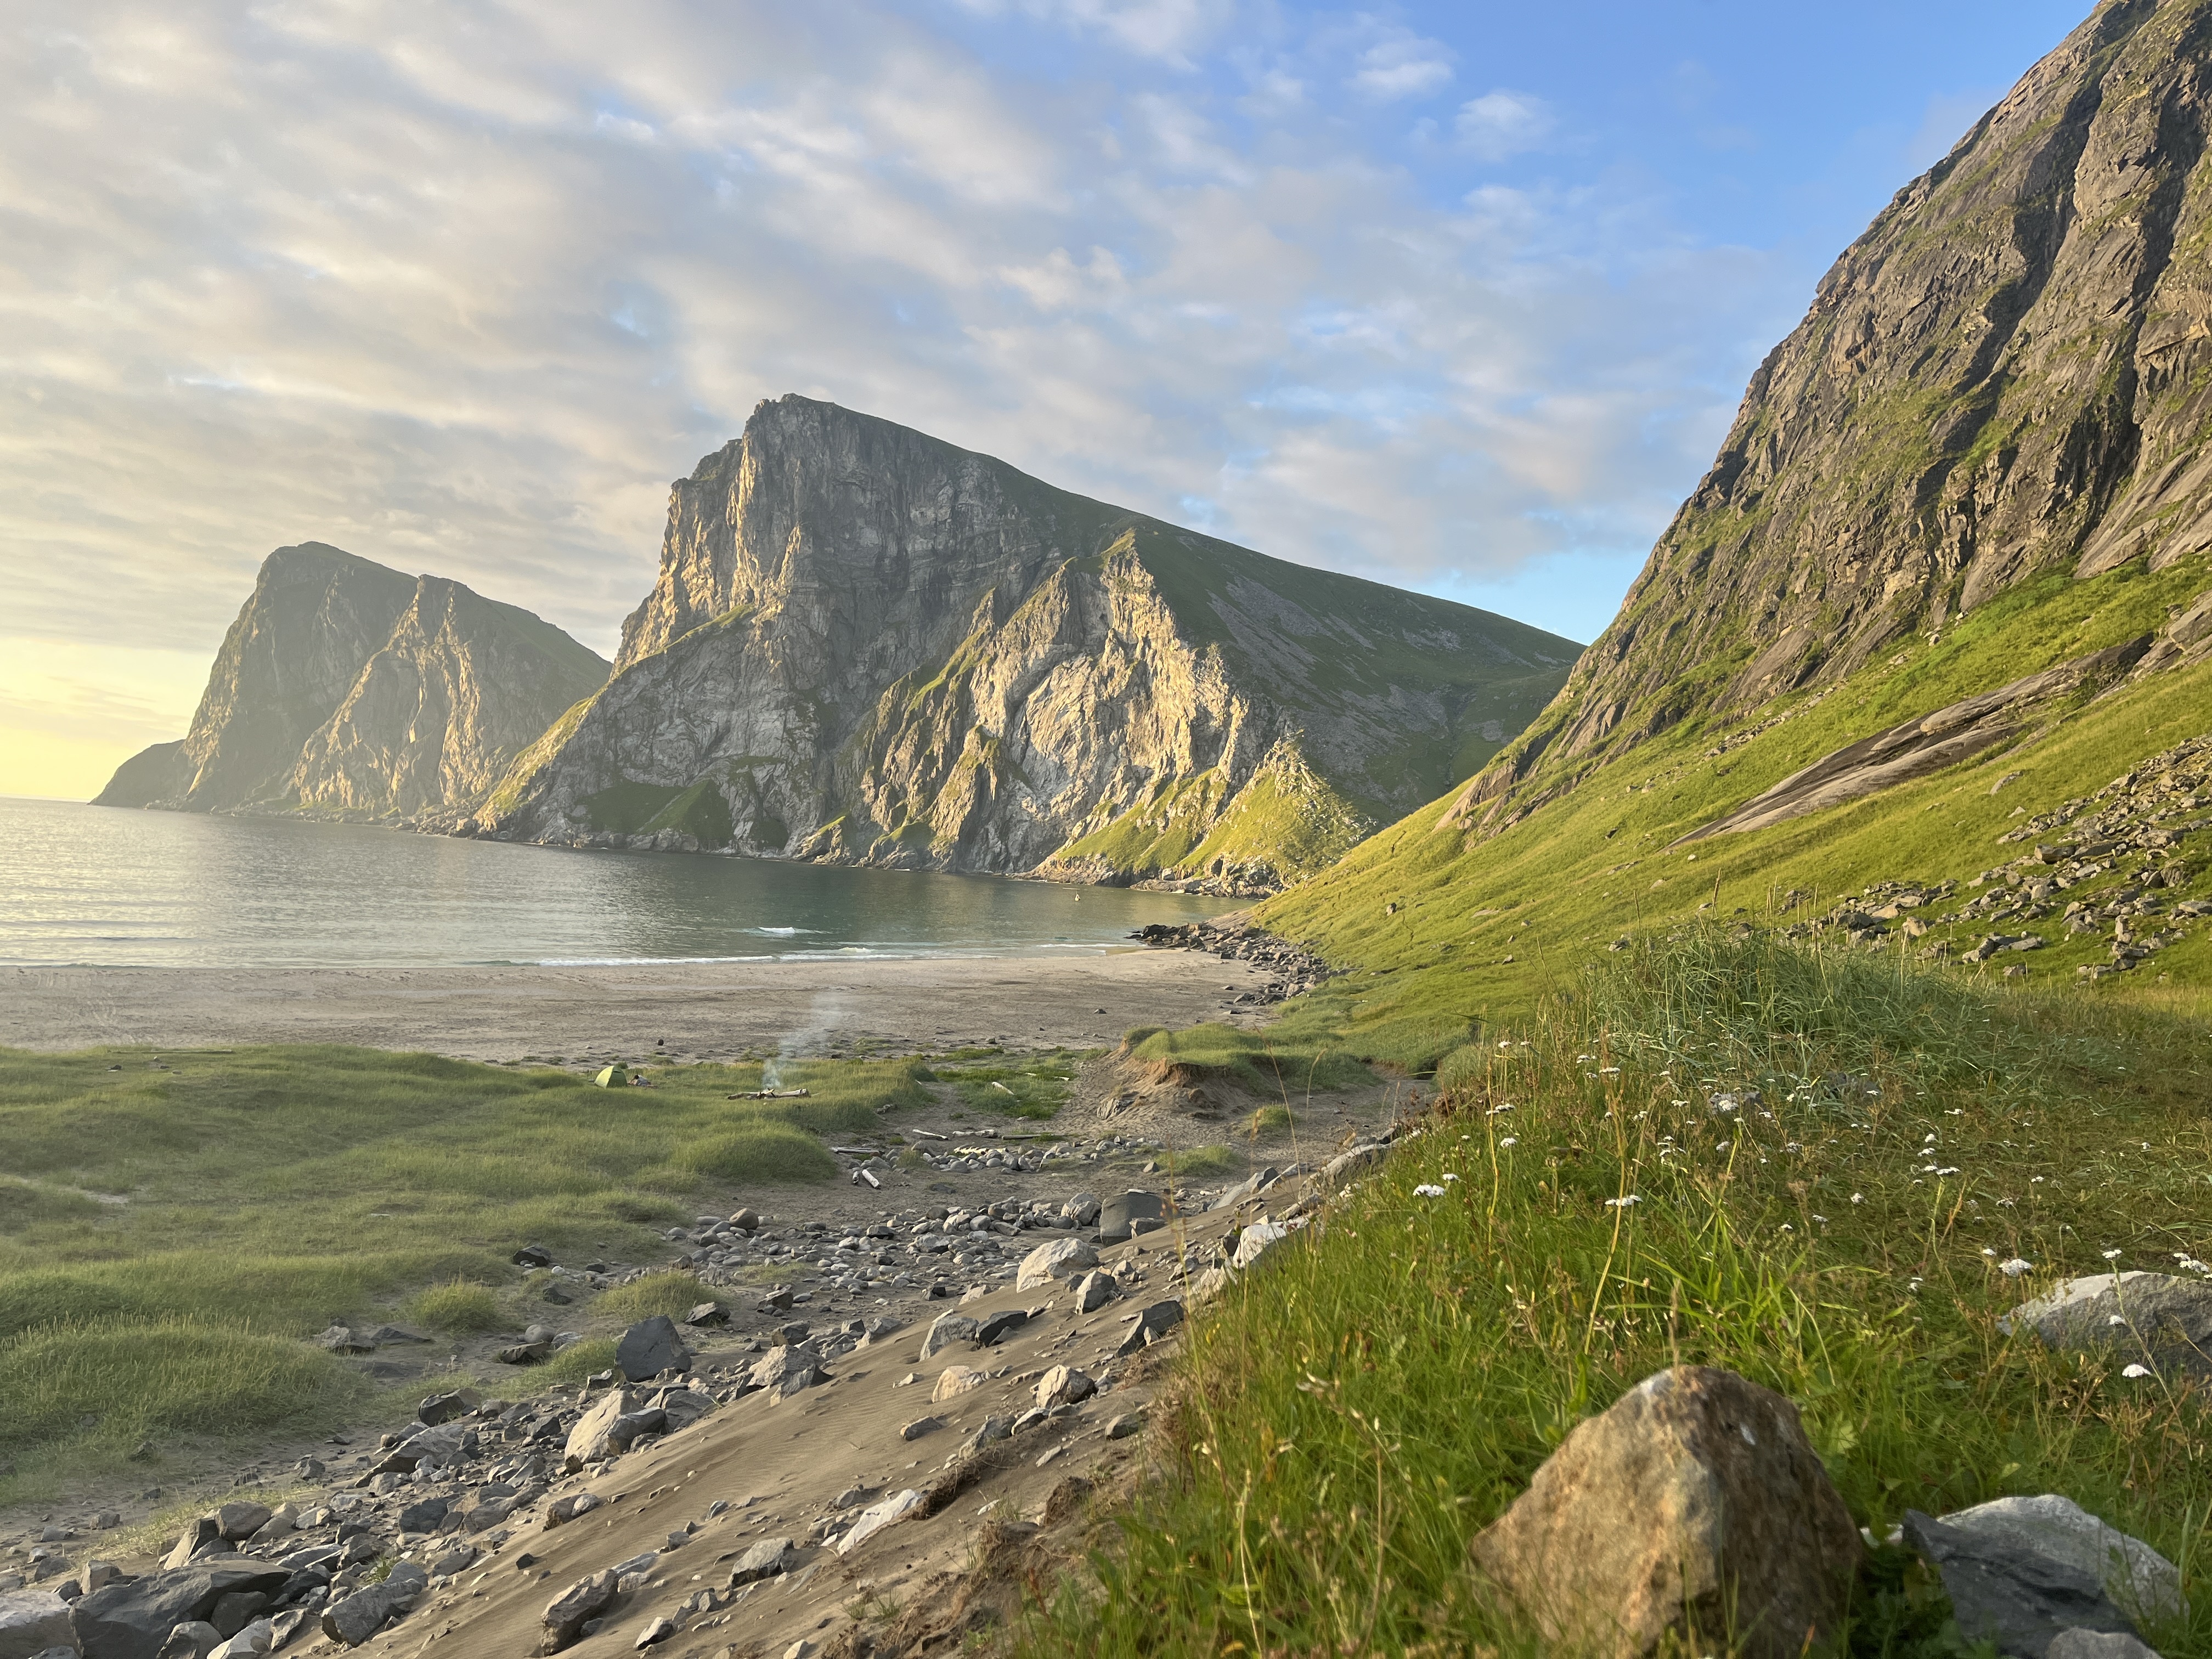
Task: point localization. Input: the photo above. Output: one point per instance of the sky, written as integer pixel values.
(1460, 297)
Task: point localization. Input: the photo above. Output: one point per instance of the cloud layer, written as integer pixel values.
(460, 288)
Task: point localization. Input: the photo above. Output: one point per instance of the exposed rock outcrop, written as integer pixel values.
(2004, 379)
(346, 685)
(868, 645)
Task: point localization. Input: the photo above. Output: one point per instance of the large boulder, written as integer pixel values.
(1692, 1511)
(132, 1620)
(567, 1613)
(945, 1330)
(354, 1619)
(2003, 1592)
(2143, 1582)
(650, 1347)
(2156, 1319)
(31, 1621)
(1118, 1217)
(1063, 1258)
(611, 1428)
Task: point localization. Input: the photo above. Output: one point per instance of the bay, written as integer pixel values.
(113, 887)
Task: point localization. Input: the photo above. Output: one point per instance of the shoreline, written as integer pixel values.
(675, 1011)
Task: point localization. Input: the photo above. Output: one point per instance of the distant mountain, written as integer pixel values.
(868, 645)
(2006, 382)
(346, 685)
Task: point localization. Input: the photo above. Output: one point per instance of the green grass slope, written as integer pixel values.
(170, 1226)
(1361, 1403)
(1438, 924)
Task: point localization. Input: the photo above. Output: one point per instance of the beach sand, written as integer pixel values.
(702, 1010)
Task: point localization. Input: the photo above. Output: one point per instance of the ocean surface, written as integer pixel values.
(111, 886)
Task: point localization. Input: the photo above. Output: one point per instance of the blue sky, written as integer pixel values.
(1457, 297)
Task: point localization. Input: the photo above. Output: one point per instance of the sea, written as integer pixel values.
(117, 887)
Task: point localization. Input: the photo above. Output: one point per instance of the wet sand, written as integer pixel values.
(685, 1011)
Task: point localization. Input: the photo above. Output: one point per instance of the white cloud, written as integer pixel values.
(1402, 65)
(462, 290)
(1502, 123)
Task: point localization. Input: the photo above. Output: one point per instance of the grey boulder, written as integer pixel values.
(133, 1620)
(650, 1347)
(2141, 1581)
(195, 1640)
(945, 1330)
(2157, 1319)
(1064, 1258)
(763, 1560)
(611, 1428)
(355, 1617)
(31, 1621)
(567, 1613)
(1736, 1526)
(1094, 1291)
(1118, 1217)
(2003, 1592)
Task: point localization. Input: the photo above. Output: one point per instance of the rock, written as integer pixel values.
(255, 1639)
(746, 1221)
(235, 1612)
(920, 1426)
(708, 1313)
(788, 1368)
(1256, 1241)
(390, 1335)
(1094, 1291)
(1345, 1165)
(1118, 1216)
(132, 1620)
(525, 1353)
(423, 1515)
(566, 1614)
(650, 1347)
(460, 1558)
(994, 1329)
(778, 1300)
(945, 1330)
(1153, 1323)
(439, 1448)
(1063, 1258)
(343, 1338)
(610, 1428)
(955, 1381)
(1122, 1427)
(873, 1519)
(2014, 1596)
(1080, 1210)
(96, 1575)
(660, 1629)
(2136, 1577)
(532, 1256)
(1249, 1187)
(1062, 1387)
(241, 1520)
(561, 1510)
(1732, 1522)
(990, 1432)
(763, 1560)
(2096, 1645)
(2156, 1319)
(33, 1620)
(194, 1640)
(444, 1408)
(355, 1617)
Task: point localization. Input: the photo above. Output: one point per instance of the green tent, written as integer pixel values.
(612, 1077)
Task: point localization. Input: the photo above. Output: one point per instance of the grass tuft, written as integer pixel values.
(458, 1308)
(674, 1294)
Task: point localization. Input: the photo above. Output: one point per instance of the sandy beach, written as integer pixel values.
(689, 1010)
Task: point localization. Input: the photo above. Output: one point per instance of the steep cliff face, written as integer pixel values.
(346, 685)
(2007, 378)
(868, 646)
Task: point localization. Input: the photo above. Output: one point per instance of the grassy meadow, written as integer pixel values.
(1439, 927)
(172, 1224)
(1359, 1407)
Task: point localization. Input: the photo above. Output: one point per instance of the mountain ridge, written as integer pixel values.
(345, 685)
(867, 645)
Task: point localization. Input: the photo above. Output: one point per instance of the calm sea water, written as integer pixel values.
(112, 886)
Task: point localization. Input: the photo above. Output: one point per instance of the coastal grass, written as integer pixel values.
(1432, 925)
(1034, 1087)
(164, 1209)
(1805, 1166)
(673, 1294)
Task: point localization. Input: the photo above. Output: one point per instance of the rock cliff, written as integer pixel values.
(345, 685)
(868, 645)
(2006, 380)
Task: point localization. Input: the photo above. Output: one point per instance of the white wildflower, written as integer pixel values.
(2015, 1267)
(1858, 1198)
(2112, 1255)
(2135, 1370)
(1425, 1190)
(1509, 1141)
(1623, 1203)
(1450, 1179)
